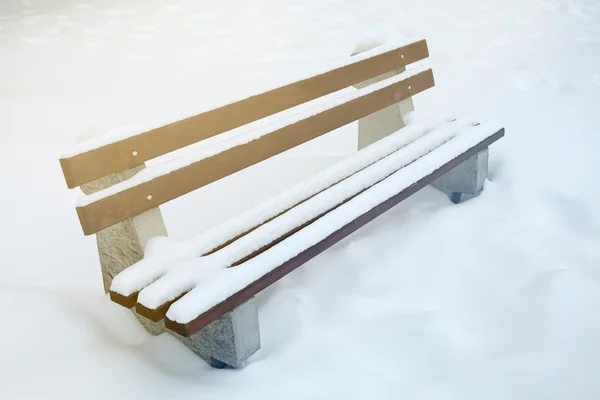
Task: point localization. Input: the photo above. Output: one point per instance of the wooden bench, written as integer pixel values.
(188, 288)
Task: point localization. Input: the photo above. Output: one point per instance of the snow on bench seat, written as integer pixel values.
(369, 179)
(154, 265)
(208, 280)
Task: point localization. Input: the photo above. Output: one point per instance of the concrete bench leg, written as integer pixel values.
(387, 120)
(230, 340)
(466, 180)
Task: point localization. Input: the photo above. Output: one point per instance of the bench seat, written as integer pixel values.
(191, 283)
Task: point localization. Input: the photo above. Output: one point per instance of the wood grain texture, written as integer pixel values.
(251, 290)
(119, 156)
(135, 200)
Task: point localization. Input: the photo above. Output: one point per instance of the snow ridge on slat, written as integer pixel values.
(222, 284)
(169, 253)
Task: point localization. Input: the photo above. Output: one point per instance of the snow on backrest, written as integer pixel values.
(123, 149)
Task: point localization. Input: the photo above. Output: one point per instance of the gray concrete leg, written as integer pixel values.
(230, 340)
(466, 180)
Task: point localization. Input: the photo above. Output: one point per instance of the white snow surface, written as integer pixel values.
(148, 174)
(495, 298)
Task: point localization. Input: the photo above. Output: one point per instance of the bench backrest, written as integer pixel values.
(157, 185)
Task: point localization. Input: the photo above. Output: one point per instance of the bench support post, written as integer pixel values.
(122, 245)
(387, 120)
(229, 340)
(466, 180)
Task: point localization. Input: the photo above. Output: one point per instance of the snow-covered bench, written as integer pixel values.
(188, 288)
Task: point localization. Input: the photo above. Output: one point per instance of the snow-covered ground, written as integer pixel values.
(493, 299)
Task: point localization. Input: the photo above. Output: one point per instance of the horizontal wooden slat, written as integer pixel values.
(125, 301)
(248, 292)
(158, 313)
(133, 201)
(119, 156)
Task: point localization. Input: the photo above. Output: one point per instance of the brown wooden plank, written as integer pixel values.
(145, 196)
(119, 156)
(126, 301)
(158, 313)
(248, 292)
